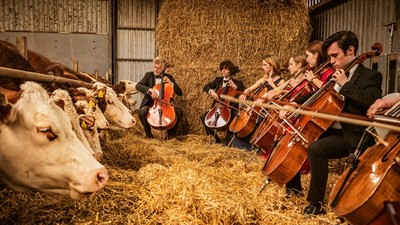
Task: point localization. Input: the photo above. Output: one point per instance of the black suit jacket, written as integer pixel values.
(217, 83)
(360, 92)
(149, 81)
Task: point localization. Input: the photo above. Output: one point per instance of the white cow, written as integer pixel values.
(83, 124)
(40, 151)
(116, 113)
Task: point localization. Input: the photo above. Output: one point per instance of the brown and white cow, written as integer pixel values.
(81, 92)
(40, 151)
(83, 123)
(116, 113)
(125, 90)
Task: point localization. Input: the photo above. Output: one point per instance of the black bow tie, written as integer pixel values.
(226, 81)
(158, 77)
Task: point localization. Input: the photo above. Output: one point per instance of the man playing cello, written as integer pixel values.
(146, 84)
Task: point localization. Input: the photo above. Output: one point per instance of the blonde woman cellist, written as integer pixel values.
(271, 79)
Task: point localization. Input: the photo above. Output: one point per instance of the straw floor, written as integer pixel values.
(180, 181)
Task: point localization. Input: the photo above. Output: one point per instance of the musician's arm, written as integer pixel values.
(142, 85)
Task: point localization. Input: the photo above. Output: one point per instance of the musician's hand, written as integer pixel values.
(259, 101)
(243, 97)
(376, 107)
(231, 84)
(339, 76)
(167, 80)
(273, 93)
(282, 113)
(292, 82)
(153, 93)
(214, 94)
(309, 75)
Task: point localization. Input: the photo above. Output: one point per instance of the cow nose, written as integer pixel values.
(101, 177)
(134, 121)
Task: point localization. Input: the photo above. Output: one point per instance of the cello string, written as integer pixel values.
(345, 119)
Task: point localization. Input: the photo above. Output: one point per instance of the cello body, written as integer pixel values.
(219, 115)
(272, 127)
(162, 115)
(245, 121)
(376, 180)
(291, 151)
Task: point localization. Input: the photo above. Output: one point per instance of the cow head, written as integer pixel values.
(40, 151)
(88, 102)
(116, 113)
(125, 90)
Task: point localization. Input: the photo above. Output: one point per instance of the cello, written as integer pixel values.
(291, 151)
(219, 115)
(244, 122)
(272, 128)
(360, 194)
(161, 115)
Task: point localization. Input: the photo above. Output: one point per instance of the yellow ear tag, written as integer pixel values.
(91, 104)
(83, 125)
(100, 94)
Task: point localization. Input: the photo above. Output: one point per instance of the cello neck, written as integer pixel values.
(162, 85)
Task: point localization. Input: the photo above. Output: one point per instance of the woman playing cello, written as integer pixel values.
(315, 57)
(296, 64)
(272, 77)
(225, 81)
(270, 80)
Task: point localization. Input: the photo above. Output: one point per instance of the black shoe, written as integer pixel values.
(314, 209)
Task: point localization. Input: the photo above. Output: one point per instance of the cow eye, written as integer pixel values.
(48, 132)
(110, 101)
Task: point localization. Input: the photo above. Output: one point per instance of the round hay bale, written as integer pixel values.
(196, 36)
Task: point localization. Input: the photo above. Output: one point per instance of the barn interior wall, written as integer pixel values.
(372, 21)
(62, 30)
(90, 50)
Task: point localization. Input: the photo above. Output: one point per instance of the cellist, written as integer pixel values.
(315, 57)
(295, 64)
(146, 84)
(270, 80)
(228, 70)
(360, 89)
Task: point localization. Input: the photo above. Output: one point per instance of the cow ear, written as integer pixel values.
(5, 109)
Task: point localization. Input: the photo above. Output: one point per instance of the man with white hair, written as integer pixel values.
(146, 84)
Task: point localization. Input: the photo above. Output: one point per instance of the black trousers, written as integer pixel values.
(331, 145)
(147, 129)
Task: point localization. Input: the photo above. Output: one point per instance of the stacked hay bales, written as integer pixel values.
(195, 36)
